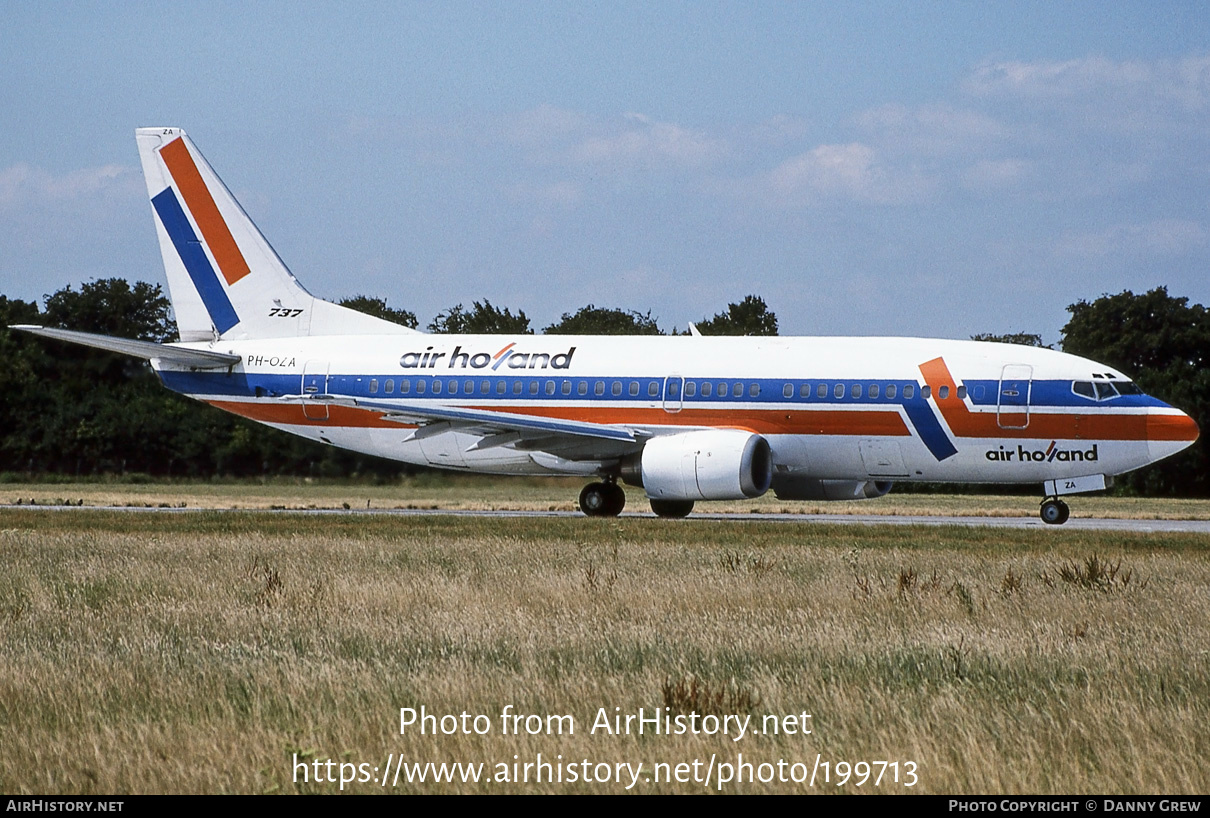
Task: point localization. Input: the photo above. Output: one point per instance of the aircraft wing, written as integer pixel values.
(571, 439)
(195, 358)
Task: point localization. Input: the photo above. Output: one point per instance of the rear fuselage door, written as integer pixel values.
(315, 382)
(1012, 406)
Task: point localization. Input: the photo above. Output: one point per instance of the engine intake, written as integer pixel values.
(715, 464)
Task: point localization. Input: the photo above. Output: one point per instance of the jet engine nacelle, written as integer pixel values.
(810, 488)
(714, 464)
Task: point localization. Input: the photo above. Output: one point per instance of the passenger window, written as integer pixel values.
(674, 388)
(616, 388)
(909, 391)
(890, 391)
(517, 387)
(634, 388)
(550, 387)
(707, 389)
(469, 387)
(598, 388)
(722, 390)
(787, 391)
(943, 392)
(804, 391)
(373, 386)
(690, 389)
(390, 387)
(420, 386)
(436, 387)
(874, 390)
(821, 391)
(485, 387)
(855, 390)
(754, 390)
(926, 391)
(533, 387)
(838, 391)
(582, 388)
(653, 389)
(961, 393)
(501, 386)
(565, 388)
(453, 387)
(405, 386)
(737, 390)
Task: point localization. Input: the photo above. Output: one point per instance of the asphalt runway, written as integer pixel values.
(1073, 524)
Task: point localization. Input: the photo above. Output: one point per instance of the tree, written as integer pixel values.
(749, 317)
(111, 306)
(1161, 342)
(1025, 339)
(593, 320)
(482, 319)
(378, 308)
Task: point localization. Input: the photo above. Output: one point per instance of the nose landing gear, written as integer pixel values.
(1054, 511)
(602, 499)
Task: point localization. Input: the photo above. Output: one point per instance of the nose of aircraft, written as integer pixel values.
(1169, 432)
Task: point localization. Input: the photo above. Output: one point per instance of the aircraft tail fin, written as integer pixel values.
(224, 278)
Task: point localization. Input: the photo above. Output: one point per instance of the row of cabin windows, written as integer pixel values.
(501, 387)
(871, 391)
(633, 388)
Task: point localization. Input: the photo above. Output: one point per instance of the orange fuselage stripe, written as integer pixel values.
(872, 423)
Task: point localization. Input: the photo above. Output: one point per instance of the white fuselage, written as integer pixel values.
(831, 408)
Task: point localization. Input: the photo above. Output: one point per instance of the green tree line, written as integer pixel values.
(76, 411)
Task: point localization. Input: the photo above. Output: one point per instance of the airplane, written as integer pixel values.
(687, 418)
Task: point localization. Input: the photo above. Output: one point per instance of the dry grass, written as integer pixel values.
(201, 652)
(474, 493)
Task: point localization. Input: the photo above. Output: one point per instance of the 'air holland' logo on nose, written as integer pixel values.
(1049, 455)
(459, 359)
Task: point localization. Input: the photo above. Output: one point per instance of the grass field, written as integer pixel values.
(205, 652)
(468, 492)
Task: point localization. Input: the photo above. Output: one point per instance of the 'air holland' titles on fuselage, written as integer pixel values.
(460, 359)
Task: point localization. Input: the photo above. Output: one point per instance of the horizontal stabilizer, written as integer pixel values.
(180, 356)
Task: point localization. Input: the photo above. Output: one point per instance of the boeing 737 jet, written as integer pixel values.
(686, 418)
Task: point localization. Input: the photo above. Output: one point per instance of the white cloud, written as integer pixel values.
(1168, 237)
(932, 129)
(1185, 81)
(851, 171)
(646, 143)
(22, 185)
(997, 174)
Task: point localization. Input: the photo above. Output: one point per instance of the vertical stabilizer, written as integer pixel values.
(224, 279)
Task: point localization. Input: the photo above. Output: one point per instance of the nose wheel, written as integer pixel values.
(602, 500)
(1054, 511)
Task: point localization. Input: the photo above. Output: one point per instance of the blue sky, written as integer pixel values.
(868, 169)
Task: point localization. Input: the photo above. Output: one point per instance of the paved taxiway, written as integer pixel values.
(1074, 524)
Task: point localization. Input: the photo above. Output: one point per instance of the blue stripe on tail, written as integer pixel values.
(193, 255)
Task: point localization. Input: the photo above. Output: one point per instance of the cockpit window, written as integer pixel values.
(1103, 390)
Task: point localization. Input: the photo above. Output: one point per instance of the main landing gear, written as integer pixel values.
(602, 499)
(1054, 511)
(607, 499)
